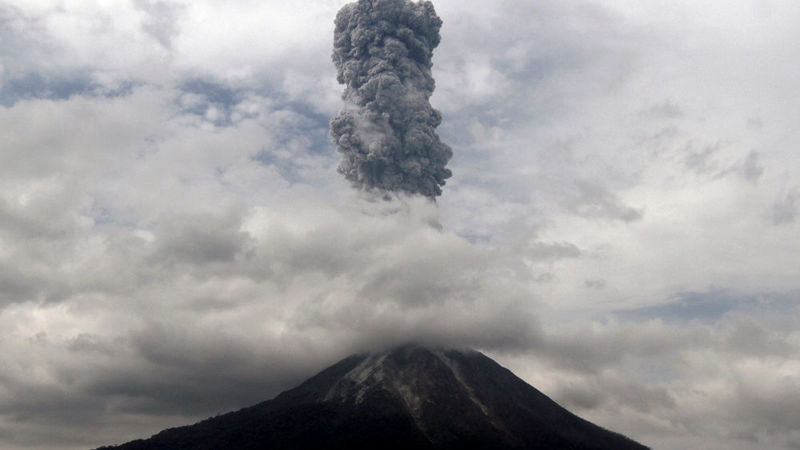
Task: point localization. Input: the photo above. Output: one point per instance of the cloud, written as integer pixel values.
(666, 110)
(199, 238)
(161, 20)
(596, 202)
(784, 211)
(553, 251)
(727, 374)
(751, 168)
(252, 299)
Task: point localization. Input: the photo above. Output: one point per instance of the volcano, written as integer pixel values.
(406, 398)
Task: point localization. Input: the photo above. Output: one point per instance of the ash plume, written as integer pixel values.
(386, 130)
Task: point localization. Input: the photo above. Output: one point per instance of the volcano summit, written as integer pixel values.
(406, 398)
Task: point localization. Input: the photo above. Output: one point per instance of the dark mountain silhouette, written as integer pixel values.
(407, 398)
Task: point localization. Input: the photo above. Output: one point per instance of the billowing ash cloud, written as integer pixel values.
(386, 131)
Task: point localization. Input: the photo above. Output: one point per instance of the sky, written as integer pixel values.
(620, 228)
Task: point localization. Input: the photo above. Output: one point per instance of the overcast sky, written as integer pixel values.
(621, 227)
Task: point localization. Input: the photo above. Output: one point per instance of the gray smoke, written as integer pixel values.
(386, 131)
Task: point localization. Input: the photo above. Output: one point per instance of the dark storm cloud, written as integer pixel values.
(386, 131)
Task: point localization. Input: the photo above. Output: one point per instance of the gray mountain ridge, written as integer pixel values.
(410, 397)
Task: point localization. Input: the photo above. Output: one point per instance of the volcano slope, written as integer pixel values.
(409, 397)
